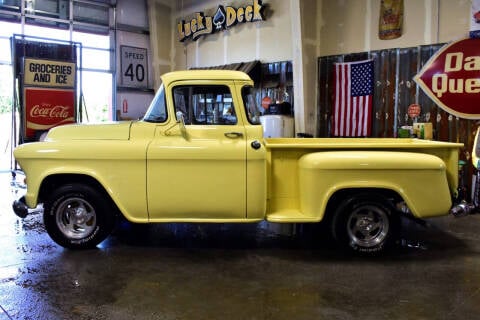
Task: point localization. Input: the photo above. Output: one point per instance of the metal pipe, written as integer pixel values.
(397, 84)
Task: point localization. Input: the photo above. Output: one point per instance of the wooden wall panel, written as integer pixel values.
(394, 92)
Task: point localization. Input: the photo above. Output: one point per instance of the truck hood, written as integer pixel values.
(104, 131)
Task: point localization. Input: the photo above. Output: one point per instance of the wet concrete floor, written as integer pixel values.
(186, 271)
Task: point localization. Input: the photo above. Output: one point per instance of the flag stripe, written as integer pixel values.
(353, 119)
(353, 99)
(337, 100)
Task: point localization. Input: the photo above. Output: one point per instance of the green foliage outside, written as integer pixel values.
(5, 104)
(6, 86)
(96, 114)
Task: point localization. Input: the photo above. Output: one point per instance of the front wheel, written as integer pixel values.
(77, 216)
(365, 223)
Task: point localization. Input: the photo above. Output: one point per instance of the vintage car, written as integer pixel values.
(199, 155)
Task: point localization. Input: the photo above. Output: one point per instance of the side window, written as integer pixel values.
(205, 105)
(157, 112)
(251, 109)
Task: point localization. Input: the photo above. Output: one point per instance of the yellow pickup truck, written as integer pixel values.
(199, 155)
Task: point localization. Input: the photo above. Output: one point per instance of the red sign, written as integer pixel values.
(414, 110)
(266, 102)
(451, 78)
(47, 108)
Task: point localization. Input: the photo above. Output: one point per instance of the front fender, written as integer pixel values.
(118, 166)
(127, 191)
(420, 179)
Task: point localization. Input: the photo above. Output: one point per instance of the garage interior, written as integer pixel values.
(237, 271)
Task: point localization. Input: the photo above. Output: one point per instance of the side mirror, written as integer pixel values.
(180, 117)
(181, 122)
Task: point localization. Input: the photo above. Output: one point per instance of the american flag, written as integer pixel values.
(352, 111)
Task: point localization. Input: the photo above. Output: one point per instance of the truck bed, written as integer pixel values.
(284, 155)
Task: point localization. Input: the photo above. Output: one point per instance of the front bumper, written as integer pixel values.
(20, 208)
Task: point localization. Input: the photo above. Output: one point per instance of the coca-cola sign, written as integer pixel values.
(50, 111)
(451, 78)
(47, 108)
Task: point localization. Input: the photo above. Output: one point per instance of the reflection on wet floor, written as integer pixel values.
(246, 271)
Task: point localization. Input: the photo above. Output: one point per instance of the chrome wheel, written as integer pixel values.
(367, 226)
(78, 216)
(365, 223)
(75, 218)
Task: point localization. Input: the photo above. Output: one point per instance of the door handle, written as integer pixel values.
(233, 135)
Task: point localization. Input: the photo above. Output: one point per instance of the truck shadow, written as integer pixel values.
(313, 241)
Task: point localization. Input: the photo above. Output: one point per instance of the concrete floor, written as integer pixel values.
(235, 272)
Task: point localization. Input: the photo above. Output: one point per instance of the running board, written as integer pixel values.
(290, 216)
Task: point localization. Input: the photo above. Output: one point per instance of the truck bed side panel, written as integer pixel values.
(420, 179)
(290, 197)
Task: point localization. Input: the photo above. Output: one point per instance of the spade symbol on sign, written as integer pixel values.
(219, 18)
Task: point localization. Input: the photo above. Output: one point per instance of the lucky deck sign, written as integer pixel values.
(451, 78)
(224, 18)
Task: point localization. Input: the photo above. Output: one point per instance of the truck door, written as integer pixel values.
(200, 175)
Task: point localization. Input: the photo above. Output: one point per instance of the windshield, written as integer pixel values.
(157, 112)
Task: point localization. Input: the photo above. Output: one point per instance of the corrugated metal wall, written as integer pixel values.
(394, 91)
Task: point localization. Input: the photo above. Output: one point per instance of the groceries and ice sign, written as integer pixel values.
(48, 73)
(451, 78)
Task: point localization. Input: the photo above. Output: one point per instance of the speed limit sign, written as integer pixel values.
(134, 67)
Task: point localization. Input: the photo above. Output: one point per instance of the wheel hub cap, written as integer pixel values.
(76, 218)
(368, 226)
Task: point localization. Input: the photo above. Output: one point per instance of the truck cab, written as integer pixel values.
(214, 125)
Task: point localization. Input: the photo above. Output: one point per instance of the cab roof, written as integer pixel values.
(210, 74)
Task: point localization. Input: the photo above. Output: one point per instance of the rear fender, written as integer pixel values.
(419, 179)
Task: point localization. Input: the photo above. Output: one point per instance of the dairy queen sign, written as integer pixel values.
(451, 78)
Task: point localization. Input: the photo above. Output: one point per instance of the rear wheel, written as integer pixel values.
(77, 216)
(365, 223)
